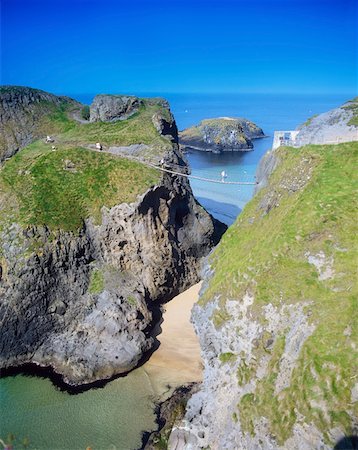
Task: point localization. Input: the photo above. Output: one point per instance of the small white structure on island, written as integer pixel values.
(288, 138)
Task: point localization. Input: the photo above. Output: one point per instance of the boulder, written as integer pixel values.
(110, 108)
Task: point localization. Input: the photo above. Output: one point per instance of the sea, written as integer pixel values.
(114, 416)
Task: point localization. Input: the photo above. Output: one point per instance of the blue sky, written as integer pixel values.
(85, 46)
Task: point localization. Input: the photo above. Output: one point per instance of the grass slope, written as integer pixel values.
(137, 129)
(64, 187)
(265, 253)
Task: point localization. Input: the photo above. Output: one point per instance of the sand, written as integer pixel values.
(177, 360)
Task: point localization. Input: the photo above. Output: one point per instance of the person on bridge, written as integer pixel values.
(223, 176)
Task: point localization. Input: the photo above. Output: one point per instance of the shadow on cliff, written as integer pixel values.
(347, 443)
(34, 370)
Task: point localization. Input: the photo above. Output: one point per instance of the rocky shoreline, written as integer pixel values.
(169, 413)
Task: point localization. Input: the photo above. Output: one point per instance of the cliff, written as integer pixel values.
(222, 134)
(277, 313)
(28, 114)
(92, 243)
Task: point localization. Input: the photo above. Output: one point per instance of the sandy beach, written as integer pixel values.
(177, 360)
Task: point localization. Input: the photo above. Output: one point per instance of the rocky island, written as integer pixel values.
(224, 134)
(92, 241)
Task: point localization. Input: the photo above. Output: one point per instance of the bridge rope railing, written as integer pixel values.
(169, 166)
(195, 177)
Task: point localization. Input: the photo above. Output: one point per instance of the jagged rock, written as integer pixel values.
(169, 413)
(165, 125)
(222, 134)
(111, 108)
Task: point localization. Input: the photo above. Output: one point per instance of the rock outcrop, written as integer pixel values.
(82, 302)
(332, 127)
(24, 114)
(266, 166)
(164, 123)
(276, 315)
(220, 135)
(110, 108)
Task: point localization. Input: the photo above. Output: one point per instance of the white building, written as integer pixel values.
(285, 138)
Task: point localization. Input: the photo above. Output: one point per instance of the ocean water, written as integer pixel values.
(114, 416)
(109, 418)
(269, 111)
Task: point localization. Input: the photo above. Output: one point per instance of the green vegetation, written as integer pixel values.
(137, 129)
(96, 285)
(353, 106)
(62, 188)
(161, 438)
(309, 121)
(219, 129)
(265, 253)
(227, 357)
(131, 300)
(85, 112)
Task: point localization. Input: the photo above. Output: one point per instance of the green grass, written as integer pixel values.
(65, 187)
(266, 257)
(227, 357)
(43, 190)
(137, 129)
(96, 285)
(353, 106)
(309, 121)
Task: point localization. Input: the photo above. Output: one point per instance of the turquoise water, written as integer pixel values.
(107, 418)
(114, 416)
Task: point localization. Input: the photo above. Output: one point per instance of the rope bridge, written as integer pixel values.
(210, 180)
(172, 168)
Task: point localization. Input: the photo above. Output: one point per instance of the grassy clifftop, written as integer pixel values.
(61, 188)
(294, 244)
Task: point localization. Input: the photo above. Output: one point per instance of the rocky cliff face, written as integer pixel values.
(110, 108)
(82, 301)
(222, 134)
(24, 116)
(275, 316)
(338, 125)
